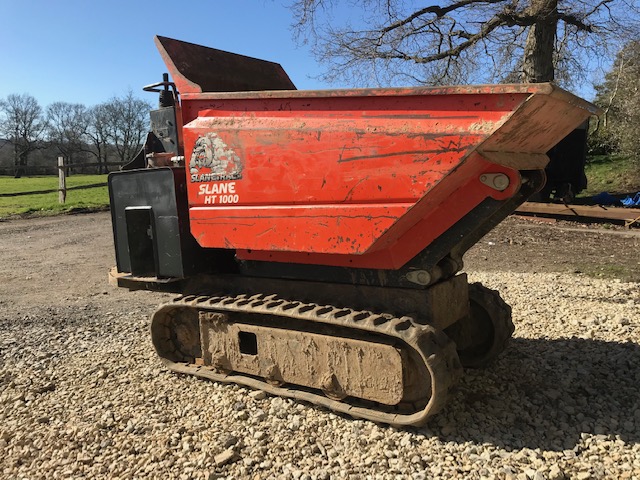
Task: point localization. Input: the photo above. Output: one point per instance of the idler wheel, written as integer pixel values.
(175, 334)
(484, 334)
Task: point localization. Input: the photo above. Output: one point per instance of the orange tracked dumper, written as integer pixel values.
(315, 238)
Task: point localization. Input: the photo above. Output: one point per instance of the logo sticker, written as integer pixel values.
(212, 160)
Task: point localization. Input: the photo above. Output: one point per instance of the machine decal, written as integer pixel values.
(212, 160)
(218, 193)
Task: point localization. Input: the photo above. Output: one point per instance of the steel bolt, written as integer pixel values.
(500, 181)
(421, 277)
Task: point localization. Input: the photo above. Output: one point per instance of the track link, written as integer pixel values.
(174, 325)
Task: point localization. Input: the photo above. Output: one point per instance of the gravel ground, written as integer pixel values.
(82, 394)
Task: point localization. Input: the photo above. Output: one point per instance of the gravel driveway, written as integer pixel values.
(82, 394)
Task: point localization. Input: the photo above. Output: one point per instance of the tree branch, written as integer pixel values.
(436, 10)
(576, 22)
(452, 51)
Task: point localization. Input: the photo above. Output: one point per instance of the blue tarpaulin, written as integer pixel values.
(632, 201)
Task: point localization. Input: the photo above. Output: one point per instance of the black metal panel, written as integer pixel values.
(163, 138)
(565, 171)
(149, 211)
(140, 226)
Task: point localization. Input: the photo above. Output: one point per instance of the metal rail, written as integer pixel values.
(626, 216)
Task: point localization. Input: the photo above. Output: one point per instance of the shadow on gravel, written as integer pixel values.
(547, 393)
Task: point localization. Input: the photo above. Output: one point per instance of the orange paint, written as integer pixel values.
(360, 178)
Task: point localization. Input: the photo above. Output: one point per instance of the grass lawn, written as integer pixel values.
(613, 174)
(47, 203)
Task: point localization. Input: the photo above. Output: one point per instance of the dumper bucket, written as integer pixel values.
(364, 178)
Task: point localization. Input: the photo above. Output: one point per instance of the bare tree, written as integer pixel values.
(463, 41)
(126, 123)
(97, 134)
(66, 127)
(22, 124)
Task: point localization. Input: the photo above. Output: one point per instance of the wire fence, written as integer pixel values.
(63, 173)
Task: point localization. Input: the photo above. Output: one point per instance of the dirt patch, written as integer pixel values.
(60, 261)
(526, 245)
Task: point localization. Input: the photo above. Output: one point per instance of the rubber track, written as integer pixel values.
(435, 349)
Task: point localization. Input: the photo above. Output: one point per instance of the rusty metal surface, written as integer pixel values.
(195, 68)
(538, 124)
(341, 366)
(498, 89)
(432, 356)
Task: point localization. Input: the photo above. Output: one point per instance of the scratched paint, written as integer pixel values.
(352, 178)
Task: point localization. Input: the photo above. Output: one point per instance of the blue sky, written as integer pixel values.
(89, 51)
(84, 51)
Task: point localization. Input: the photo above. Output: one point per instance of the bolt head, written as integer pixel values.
(500, 181)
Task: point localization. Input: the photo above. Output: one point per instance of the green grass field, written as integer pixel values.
(613, 174)
(47, 203)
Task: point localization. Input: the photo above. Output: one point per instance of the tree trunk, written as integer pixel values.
(16, 162)
(102, 162)
(538, 65)
(16, 157)
(21, 164)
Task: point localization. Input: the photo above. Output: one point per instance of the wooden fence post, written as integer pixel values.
(62, 181)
